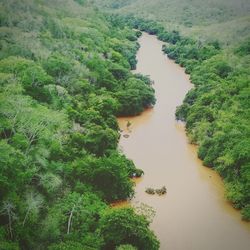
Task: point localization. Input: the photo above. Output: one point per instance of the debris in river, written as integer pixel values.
(128, 124)
(126, 136)
(150, 191)
(160, 191)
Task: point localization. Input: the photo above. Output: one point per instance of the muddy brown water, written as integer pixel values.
(194, 215)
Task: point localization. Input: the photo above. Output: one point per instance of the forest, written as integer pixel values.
(224, 20)
(65, 77)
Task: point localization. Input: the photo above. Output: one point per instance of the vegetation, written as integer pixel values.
(216, 111)
(65, 76)
(121, 225)
(159, 191)
(223, 20)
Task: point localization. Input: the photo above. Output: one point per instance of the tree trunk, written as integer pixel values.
(70, 219)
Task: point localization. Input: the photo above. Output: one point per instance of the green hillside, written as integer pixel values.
(65, 76)
(225, 20)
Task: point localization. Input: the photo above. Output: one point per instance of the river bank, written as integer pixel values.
(194, 214)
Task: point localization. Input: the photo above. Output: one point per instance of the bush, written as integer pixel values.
(123, 226)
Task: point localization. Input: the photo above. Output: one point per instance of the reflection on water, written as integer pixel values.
(194, 214)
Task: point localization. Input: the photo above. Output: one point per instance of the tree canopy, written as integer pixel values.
(64, 74)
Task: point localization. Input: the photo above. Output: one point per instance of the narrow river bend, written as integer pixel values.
(194, 214)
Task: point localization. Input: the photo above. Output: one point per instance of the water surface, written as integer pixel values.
(194, 214)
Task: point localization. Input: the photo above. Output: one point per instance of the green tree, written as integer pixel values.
(98, 140)
(126, 247)
(123, 226)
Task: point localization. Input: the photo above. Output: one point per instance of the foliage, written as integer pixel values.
(126, 247)
(64, 72)
(223, 20)
(216, 111)
(108, 175)
(121, 226)
(244, 48)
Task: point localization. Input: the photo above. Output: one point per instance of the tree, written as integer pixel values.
(34, 202)
(98, 140)
(70, 245)
(13, 173)
(31, 75)
(109, 175)
(57, 65)
(123, 226)
(8, 209)
(126, 247)
(75, 218)
(105, 104)
(135, 97)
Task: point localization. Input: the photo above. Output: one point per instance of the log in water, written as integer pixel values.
(193, 215)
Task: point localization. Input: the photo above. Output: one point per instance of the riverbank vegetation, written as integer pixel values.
(216, 110)
(216, 113)
(65, 76)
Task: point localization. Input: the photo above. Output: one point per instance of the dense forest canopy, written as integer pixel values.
(65, 76)
(65, 72)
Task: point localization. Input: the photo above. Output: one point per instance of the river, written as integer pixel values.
(193, 215)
